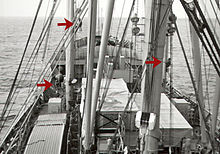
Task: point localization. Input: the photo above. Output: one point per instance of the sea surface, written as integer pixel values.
(14, 33)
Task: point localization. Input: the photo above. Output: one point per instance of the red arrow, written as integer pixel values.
(46, 85)
(68, 24)
(155, 62)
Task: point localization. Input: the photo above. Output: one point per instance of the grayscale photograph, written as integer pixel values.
(109, 76)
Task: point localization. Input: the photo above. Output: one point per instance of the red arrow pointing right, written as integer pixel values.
(46, 85)
(68, 24)
(155, 62)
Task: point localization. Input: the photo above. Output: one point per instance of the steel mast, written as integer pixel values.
(70, 54)
(90, 62)
(103, 47)
(152, 105)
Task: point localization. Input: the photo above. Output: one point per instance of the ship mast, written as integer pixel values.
(152, 104)
(70, 59)
(198, 79)
(103, 47)
(90, 62)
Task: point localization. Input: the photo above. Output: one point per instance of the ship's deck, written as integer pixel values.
(172, 123)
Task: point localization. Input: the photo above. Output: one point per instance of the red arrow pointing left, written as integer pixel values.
(46, 85)
(68, 24)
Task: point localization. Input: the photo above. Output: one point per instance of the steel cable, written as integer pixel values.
(21, 61)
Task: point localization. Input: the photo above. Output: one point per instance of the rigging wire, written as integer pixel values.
(216, 15)
(33, 71)
(26, 69)
(46, 44)
(48, 34)
(50, 18)
(46, 65)
(194, 22)
(46, 12)
(53, 57)
(163, 20)
(120, 19)
(21, 61)
(206, 78)
(194, 85)
(187, 24)
(204, 61)
(209, 69)
(206, 25)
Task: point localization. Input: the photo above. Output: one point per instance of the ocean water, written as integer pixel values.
(13, 36)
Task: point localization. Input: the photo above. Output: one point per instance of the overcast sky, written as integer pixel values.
(29, 7)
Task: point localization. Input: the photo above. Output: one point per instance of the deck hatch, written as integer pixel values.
(47, 135)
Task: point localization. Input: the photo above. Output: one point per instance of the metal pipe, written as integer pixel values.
(90, 62)
(103, 47)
